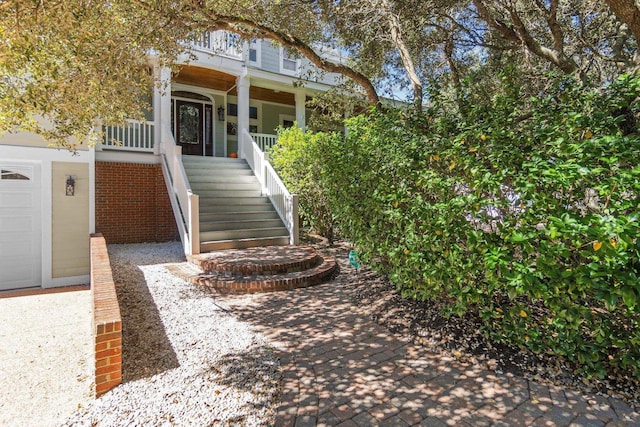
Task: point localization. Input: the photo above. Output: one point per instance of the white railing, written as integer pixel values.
(186, 205)
(220, 43)
(285, 203)
(264, 140)
(134, 136)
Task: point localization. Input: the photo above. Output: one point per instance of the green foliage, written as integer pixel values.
(66, 67)
(295, 159)
(528, 216)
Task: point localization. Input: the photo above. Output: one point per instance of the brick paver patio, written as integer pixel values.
(340, 368)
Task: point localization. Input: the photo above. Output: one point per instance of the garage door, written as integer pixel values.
(20, 229)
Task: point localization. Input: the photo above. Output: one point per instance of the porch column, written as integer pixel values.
(301, 100)
(162, 104)
(243, 85)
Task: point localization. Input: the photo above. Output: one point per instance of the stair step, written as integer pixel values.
(238, 216)
(243, 243)
(231, 201)
(223, 179)
(209, 159)
(215, 165)
(209, 236)
(225, 283)
(206, 172)
(210, 194)
(233, 211)
(239, 225)
(258, 261)
(201, 188)
(208, 207)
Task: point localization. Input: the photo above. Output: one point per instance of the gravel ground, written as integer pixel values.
(46, 359)
(186, 359)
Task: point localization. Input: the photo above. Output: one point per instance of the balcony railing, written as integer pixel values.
(219, 43)
(264, 140)
(133, 136)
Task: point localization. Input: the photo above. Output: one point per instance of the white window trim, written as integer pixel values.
(257, 46)
(283, 70)
(283, 117)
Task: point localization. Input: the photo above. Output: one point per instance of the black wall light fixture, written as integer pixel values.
(71, 186)
(221, 113)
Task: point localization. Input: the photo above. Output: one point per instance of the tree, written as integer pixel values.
(76, 62)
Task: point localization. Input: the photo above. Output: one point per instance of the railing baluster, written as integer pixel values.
(134, 136)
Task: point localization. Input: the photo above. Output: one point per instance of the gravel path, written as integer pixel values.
(46, 358)
(187, 360)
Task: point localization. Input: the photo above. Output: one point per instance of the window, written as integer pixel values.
(232, 110)
(254, 52)
(287, 121)
(12, 175)
(253, 112)
(289, 63)
(253, 128)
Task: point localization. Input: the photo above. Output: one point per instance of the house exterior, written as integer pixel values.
(202, 145)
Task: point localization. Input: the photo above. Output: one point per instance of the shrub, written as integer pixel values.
(295, 160)
(529, 218)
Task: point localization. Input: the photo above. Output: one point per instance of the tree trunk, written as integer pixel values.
(236, 24)
(407, 61)
(628, 12)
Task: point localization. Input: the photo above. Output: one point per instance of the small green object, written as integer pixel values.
(353, 259)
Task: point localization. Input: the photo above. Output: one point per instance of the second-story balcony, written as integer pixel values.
(220, 43)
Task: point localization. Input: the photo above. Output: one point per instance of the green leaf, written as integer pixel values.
(629, 297)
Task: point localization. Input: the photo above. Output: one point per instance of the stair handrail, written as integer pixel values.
(285, 203)
(185, 204)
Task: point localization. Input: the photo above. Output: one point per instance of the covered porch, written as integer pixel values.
(207, 111)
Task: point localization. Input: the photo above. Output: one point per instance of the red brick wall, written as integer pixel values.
(132, 205)
(107, 323)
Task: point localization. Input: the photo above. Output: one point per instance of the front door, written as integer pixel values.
(189, 127)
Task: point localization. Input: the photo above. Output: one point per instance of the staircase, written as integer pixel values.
(233, 212)
(254, 270)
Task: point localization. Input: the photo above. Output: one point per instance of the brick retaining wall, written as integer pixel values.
(132, 204)
(107, 323)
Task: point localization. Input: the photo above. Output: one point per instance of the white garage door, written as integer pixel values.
(20, 230)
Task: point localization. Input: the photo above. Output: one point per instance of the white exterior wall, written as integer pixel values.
(54, 163)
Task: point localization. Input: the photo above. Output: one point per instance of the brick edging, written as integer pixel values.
(107, 322)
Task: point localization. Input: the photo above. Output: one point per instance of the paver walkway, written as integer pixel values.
(340, 368)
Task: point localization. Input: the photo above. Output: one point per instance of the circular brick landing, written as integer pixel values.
(258, 261)
(265, 269)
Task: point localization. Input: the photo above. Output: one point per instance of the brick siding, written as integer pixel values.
(132, 204)
(107, 323)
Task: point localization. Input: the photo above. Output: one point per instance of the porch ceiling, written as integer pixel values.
(205, 77)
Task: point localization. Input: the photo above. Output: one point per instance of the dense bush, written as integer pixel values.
(295, 158)
(524, 211)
